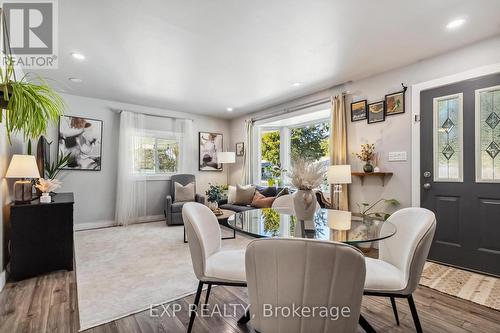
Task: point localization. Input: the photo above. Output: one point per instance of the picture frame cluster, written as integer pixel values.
(376, 112)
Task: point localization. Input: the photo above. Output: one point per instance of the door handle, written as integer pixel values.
(427, 186)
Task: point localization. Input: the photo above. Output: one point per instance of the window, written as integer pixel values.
(156, 155)
(283, 141)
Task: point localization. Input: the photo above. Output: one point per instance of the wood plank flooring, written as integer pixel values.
(49, 304)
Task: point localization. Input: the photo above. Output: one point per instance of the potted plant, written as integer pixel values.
(306, 176)
(46, 186)
(366, 155)
(365, 210)
(214, 195)
(30, 103)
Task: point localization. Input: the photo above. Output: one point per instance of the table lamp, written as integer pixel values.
(23, 166)
(339, 221)
(338, 175)
(226, 157)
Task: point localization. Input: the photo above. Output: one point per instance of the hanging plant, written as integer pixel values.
(29, 104)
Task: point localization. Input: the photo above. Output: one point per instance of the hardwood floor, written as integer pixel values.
(49, 304)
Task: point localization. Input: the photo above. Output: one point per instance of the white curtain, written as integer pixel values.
(131, 187)
(188, 156)
(248, 156)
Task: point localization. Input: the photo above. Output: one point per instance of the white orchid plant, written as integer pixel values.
(48, 185)
(305, 175)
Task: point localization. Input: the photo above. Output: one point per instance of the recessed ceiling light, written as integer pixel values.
(296, 84)
(78, 56)
(229, 109)
(75, 80)
(455, 23)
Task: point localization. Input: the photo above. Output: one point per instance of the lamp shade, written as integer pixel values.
(22, 166)
(226, 157)
(339, 219)
(339, 174)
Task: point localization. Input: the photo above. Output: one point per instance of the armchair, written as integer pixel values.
(173, 210)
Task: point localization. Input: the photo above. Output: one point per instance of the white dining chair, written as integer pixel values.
(212, 265)
(284, 203)
(304, 273)
(397, 271)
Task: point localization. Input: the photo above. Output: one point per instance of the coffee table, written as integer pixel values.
(226, 213)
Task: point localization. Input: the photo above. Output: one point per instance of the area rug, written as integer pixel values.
(124, 270)
(477, 288)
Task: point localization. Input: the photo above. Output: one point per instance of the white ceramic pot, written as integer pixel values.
(213, 205)
(304, 204)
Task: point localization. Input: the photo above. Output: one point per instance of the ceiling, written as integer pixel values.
(204, 56)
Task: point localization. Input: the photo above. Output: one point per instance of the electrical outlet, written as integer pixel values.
(397, 156)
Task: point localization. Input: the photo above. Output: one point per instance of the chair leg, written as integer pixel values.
(245, 319)
(395, 309)
(208, 293)
(193, 310)
(366, 325)
(414, 314)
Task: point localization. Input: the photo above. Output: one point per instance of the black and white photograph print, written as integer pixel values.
(376, 112)
(358, 110)
(240, 148)
(81, 139)
(210, 144)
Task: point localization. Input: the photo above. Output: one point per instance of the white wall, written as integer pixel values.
(95, 191)
(395, 133)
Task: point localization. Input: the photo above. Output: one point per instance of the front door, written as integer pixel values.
(460, 171)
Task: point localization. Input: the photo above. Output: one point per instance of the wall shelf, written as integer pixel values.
(381, 175)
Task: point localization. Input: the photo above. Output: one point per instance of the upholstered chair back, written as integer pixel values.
(203, 234)
(305, 273)
(409, 247)
(182, 179)
(284, 202)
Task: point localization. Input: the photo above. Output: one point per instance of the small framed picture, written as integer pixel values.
(376, 112)
(358, 110)
(395, 103)
(240, 148)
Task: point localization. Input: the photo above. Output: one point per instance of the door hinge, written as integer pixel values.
(417, 118)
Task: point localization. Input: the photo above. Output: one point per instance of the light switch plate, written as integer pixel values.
(397, 156)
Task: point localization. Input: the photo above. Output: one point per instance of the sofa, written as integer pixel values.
(267, 191)
(173, 210)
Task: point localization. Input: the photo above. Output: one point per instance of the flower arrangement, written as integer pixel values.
(366, 155)
(48, 185)
(367, 152)
(306, 175)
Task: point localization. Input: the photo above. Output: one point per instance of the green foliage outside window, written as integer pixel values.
(310, 142)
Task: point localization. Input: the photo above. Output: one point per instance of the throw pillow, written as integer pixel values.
(244, 194)
(261, 201)
(184, 193)
(267, 191)
(231, 194)
(284, 191)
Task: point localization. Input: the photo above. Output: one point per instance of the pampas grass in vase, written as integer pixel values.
(306, 176)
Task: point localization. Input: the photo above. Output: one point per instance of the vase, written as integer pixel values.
(213, 205)
(45, 198)
(304, 204)
(368, 168)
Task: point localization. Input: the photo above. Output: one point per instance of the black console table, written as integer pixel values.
(41, 237)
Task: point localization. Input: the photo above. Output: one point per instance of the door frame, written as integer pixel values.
(415, 91)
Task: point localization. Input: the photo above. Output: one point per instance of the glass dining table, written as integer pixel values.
(327, 224)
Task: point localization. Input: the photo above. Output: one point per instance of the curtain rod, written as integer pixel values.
(295, 108)
(152, 114)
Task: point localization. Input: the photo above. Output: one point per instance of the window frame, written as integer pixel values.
(162, 135)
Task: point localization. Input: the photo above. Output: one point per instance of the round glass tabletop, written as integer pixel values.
(327, 224)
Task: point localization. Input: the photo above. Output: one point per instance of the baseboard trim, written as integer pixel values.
(3, 279)
(111, 223)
